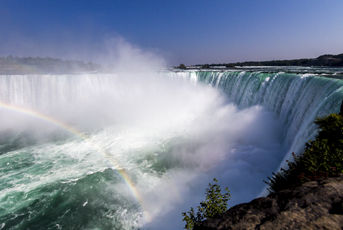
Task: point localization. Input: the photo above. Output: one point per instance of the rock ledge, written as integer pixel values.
(314, 205)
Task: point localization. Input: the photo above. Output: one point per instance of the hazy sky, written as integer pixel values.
(190, 32)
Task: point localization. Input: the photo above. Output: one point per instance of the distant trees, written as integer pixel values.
(182, 66)
(230, 66)
(19, 65)
(323, 60)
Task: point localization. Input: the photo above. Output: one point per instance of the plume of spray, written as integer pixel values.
(172, 136)
(124, 57)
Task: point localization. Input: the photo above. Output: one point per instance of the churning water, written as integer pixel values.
(133, 151)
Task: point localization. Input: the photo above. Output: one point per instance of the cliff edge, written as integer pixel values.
(314, 205)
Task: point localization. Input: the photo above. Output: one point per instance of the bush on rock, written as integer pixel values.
(215, 203)
(322, 157)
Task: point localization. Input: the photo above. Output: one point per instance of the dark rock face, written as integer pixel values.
(314, 205)
(341, 110)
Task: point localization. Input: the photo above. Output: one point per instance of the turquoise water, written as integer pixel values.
(170, 133)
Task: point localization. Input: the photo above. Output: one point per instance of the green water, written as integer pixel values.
(39, 191)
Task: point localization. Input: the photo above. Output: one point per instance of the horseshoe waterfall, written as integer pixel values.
(134, 151)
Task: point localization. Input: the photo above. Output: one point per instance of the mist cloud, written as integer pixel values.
(172, 136)
(125, 56)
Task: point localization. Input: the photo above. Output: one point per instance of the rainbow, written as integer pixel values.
(84, 137)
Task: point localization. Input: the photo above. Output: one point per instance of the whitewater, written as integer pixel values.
(135, 150)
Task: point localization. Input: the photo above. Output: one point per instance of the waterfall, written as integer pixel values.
(133, 151)
(296, 99)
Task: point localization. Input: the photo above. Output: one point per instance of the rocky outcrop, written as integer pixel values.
(314, 205)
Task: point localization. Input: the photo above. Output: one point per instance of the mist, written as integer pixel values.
(226, 144)
(171, 136)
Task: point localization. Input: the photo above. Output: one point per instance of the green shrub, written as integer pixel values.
(215, 203)
(322, 157)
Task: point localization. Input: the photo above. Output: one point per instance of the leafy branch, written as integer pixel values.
(214, 204)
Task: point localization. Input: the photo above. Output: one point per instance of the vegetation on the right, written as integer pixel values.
(321, 158)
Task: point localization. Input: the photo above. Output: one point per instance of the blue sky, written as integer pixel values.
(190, 32)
